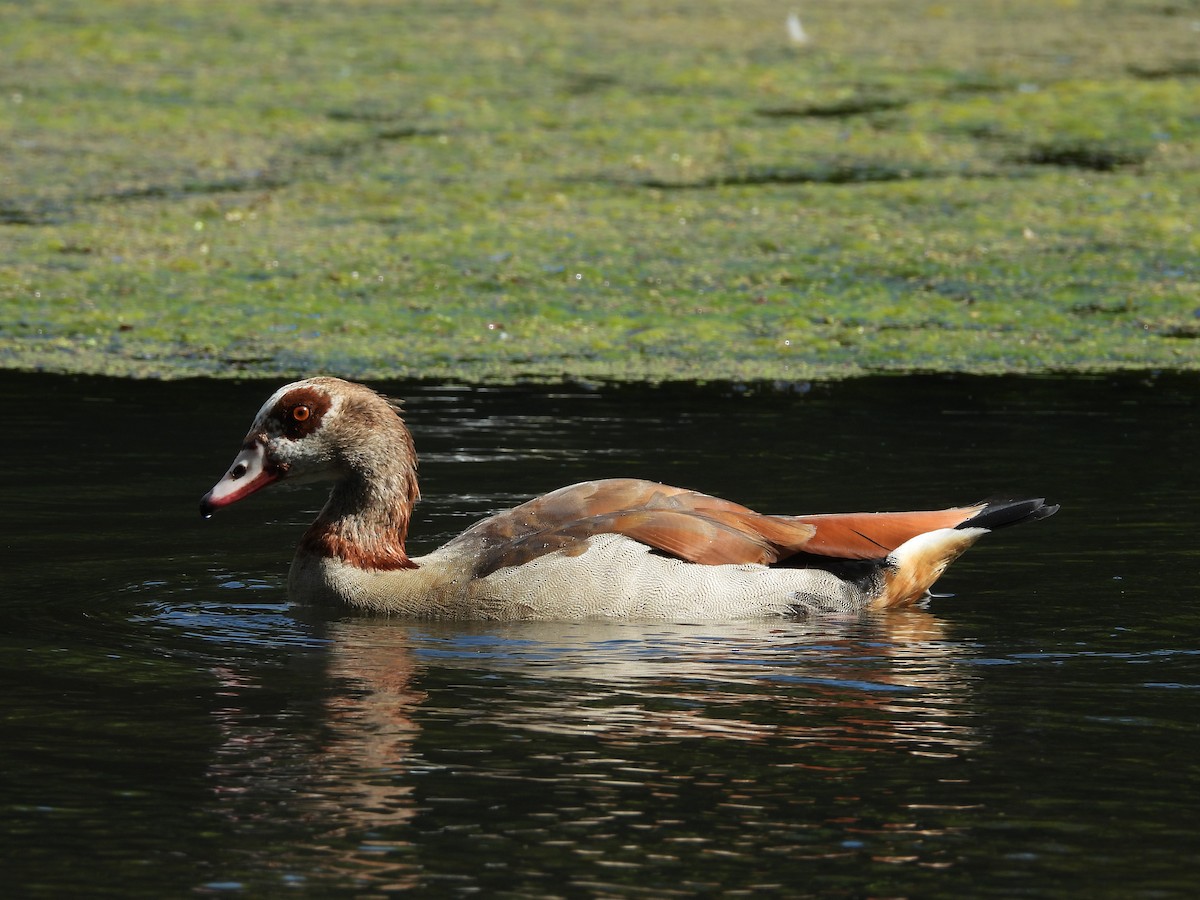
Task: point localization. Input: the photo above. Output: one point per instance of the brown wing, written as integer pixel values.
(875, 535)
(685, 524)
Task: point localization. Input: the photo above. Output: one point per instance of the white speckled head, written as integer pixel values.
(294, 437)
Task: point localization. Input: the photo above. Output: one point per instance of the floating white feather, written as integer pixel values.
(795, 29)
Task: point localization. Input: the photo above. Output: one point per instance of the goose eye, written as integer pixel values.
(301, 413)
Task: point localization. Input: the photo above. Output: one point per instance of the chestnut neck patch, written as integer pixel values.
(383, 553)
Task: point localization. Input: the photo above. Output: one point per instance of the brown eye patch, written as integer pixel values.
(299, 412)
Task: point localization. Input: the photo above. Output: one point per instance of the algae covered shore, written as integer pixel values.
(491, 191)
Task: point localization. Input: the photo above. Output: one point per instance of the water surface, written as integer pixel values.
(172, 724)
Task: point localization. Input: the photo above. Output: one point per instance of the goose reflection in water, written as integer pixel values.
(888, 679)
(549, 727)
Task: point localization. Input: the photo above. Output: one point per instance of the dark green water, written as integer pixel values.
(172, 725)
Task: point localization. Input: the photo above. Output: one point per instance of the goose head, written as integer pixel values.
(320, 429)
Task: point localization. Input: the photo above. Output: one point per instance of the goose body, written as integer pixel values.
(615, 548)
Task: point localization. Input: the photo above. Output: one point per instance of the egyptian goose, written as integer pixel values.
(617, 548)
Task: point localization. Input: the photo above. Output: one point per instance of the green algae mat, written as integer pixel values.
(491, 191)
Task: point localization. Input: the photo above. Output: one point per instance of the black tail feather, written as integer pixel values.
(1002, 513)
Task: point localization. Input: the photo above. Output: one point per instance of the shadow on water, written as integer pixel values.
(174, 724)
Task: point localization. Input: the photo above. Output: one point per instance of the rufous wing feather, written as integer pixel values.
(875, 535)
(704, 538)
(685, 524)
